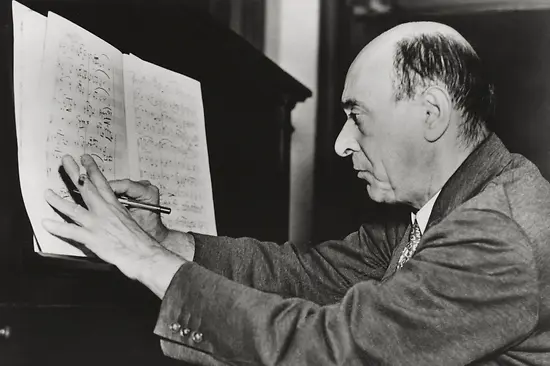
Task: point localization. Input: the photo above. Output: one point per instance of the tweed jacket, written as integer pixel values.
(476, 291)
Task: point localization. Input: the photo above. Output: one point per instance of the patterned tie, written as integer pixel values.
(410, 248)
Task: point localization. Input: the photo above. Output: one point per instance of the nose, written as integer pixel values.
(346, 142)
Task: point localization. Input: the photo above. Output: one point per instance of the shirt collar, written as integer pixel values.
(423, 215)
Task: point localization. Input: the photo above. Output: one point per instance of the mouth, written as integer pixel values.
(363, 174)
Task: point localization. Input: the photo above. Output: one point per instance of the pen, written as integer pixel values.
(146, 206)
(135, 204)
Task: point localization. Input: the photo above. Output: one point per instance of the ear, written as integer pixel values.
(438, 108)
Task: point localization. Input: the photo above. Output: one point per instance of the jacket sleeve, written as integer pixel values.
(470, 291)
(321, 274)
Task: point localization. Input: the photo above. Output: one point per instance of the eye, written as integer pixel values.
(353, 117)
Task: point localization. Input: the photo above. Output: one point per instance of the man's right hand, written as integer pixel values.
(142, 191)
(178, 242)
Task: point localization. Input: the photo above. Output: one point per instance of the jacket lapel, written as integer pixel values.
(485, 162)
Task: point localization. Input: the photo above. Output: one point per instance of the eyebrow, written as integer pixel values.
(350, 103)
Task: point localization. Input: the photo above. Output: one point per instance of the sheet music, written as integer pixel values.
(167, 142)
(69, 99)
(80, 110)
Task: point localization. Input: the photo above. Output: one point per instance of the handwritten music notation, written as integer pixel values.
(73, 103)
(87, 99)
(79, 102)
(170, 142)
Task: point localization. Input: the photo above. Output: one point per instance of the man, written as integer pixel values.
(465, 280)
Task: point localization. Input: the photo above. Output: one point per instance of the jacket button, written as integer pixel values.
(185, 332)
(175, 327)
(196, 337)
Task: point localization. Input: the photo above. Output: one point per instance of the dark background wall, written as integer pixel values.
(244, 17)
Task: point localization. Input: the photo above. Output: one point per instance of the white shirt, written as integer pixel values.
(423, 215)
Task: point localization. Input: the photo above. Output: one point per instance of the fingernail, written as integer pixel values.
(81, 179)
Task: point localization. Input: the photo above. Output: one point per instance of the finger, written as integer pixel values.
(68, 231)
(71, 168)
(81, 181)
(136, 190)
(72, 172)
(72, 210)
(98, 179)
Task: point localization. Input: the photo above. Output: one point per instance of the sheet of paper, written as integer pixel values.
(167, 142)
(18, 13)
(29, 31)
(80, 109)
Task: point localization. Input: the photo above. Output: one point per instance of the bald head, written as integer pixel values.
(417, 103)
(387, 41)
(413, 56)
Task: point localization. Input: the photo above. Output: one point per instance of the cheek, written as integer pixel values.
(389, 149)
(369, 154)
(400, 161)
(375, 155)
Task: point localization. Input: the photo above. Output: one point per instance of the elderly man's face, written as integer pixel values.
(382, 136)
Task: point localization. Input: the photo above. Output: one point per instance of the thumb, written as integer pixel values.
(136, 190)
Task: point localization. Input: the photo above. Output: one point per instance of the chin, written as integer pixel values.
(380, 195)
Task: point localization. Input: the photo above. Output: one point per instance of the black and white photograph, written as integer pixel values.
(275, 182)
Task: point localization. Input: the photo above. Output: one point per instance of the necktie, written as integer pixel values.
(410, 248)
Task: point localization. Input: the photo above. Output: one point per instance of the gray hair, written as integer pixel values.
(435, 59)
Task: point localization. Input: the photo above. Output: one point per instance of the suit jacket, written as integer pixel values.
(476, 291)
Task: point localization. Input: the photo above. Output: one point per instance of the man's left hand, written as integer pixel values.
(107, 229)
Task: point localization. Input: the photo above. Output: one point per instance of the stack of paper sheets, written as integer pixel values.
(76, 94)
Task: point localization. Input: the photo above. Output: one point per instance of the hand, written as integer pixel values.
(177, 242)
(108, 229)
(142, 191)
